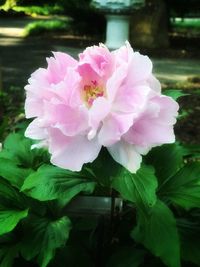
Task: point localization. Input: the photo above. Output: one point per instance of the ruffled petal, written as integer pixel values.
(97, 113)
(155, 126)
(72, 152)
(71, 121)
(126, 155)
(131, 99)
(99, 59)
(114, 127)
(35, 130)
(58, 65)
(33, 106)
(154, 83)
(115, 82)
(139, 69)
(68, 91)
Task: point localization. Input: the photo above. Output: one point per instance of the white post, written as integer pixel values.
(117, 30)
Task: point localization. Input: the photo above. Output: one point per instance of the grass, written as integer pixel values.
(40, 27)
(186, 24)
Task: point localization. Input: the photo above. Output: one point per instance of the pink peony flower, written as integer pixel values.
(106, 99)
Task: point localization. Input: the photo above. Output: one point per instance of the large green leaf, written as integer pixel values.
(183, 188)
(43, 236)
(190, 245)
(105, 168)
(10, 218)
(192, 151)
(12, 173)
(139, 187)
(50, 182)
(10, 197)
(12, 207)
(126, 257)
(18, 149)
(166, 159)
(156, 230)
(8, 254)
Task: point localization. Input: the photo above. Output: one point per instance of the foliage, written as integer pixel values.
(45, 10)
(159, 224)
(81, 12)
(86, 20)
(39, 27)
(39, 228)
(161, 209)
(9, 4)
(187, 23)
(11, 110)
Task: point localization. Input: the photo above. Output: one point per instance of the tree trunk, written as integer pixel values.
(149, 26)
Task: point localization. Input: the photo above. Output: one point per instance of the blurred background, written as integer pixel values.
(168, 31)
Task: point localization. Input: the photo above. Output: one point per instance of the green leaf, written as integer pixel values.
(13, 207)
(105, 168)
(18, 148)
(43, 237)
(190, 245)
(183, 188)
(10, 197)
(192, 151)
(12, 173)
(156, 230)
(174, 93)
(8, 254)
(139, 187)
(50, 182)
(10, 218)
(126, 257)
(75, 255)
(166, 159)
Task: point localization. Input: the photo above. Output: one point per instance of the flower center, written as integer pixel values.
(91, 92)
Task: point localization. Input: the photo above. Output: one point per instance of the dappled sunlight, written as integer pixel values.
(11, 32)
(176, 70)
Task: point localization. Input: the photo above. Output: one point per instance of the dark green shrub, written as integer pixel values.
(86, 20)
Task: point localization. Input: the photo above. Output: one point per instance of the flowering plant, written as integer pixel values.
(106, 99)
(98, 117)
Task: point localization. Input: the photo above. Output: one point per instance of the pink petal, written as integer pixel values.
(33, 106)
(131, 98)
(88, 74)
(70, 121)
(139, 69)
(72, 152)
(114, 127)
(97, 113)
(58, 65)
(126, 155)
(99, 59)
(115, 82)
(155, 126)
(35, 130)
(123, 54)
(154, 83)
(68, 90)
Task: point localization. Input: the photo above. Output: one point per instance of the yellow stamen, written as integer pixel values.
(91, 92)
